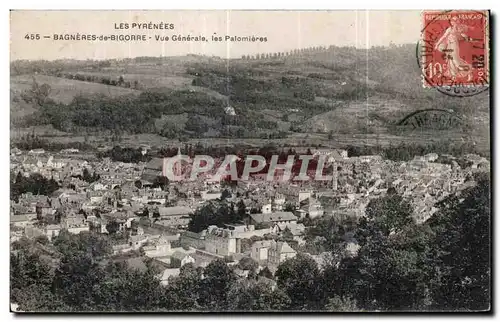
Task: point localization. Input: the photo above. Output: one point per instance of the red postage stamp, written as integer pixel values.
(455, 48)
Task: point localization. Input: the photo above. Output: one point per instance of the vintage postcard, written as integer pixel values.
(250, 161)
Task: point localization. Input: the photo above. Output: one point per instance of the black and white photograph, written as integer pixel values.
(248, 161)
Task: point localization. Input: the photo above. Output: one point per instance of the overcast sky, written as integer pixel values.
(285, 30)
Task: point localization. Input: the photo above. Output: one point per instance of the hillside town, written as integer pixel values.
(147, 220)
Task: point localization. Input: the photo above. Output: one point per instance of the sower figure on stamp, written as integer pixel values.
(449, 44)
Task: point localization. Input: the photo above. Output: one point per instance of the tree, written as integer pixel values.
(42, 239)
(289, 207)
(162, 182)
(96, 245)
(27, 268)
(216, 213)
(390, 271)
(389, 214)
(156, 214)
(138, 184)
(112, 227)
(256, 296)
(225, 194)
(86, 173)
(299, 278)
(214, 287)
(34, 298)
(241, 211)
(248, 263)
(183, 291)
(461, 249)
(287, 234)
(338, 304)
(265, 272)
(325, 233)
(35, 183)
(75, 279)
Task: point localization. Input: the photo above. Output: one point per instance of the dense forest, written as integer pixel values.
(35, 184)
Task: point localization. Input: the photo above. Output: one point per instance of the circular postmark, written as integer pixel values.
(452, 52)
(432, 118)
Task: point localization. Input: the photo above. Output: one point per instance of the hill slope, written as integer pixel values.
(326, 90)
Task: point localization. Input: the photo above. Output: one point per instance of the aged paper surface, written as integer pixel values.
(241, 161)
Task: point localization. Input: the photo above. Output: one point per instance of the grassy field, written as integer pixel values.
(155, 78)
(64, 90)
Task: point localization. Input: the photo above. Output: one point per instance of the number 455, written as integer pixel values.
(32, 36)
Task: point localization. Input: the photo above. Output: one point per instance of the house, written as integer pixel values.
(160, 248)
(36, 151)
(96, 197)
(121, 218)
(260, 250)
(136, 263)
(247, 231)
(192, 239)
(32, 232)
(137, 241)
(203, 258)
(152, 170)
(266, 208)
(21, 220)
(296, 230)
(97, 225)
(280, 252)
(43, 209)
(167, 274)
(69, 151)
(431, 157)
(121, 248)
(242, 273)
(279, 202)
(23, 209)
(98, 186)
(175, 216)
(210, 195)
(221, 241)
(52, 231)
(75, 225)
(15, 151)
(15, 234)
(229, 110)
(155, 196)
(304, 194)
(335, 153)
(280, 217)
(312, 208)
(179, 259)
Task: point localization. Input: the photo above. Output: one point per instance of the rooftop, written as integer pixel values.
(174, 211)
(19, 218)
(273, 217)
(155, 164)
